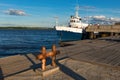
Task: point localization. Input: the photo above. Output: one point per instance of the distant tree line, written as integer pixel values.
(40, 28)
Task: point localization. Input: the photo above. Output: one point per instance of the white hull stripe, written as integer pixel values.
(62, 28)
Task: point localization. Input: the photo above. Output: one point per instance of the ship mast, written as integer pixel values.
(56, 21)
(77, 9)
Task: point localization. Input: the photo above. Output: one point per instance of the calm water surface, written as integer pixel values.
(14, 42)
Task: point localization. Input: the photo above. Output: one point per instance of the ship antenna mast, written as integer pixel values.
(77, 9)
(56, 21)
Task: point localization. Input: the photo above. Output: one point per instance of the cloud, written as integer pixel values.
(4, 5)
(7, 25)
(86, 7)
(115, 19)
(15, 12)
(101, 19)
(104, 18)
(95, 9)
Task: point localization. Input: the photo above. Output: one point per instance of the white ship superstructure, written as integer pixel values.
(75, 26)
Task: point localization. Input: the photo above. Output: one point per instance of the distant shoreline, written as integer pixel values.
(28, 28)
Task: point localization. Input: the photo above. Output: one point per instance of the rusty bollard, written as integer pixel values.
(51, 54)
(43, 57)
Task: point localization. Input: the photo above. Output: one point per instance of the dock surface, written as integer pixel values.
(79, 60)
(105, 51)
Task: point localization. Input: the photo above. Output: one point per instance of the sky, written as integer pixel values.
(42, 13)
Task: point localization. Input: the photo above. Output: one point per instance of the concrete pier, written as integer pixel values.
(103, 30)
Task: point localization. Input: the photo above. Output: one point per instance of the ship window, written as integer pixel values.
(71, 20)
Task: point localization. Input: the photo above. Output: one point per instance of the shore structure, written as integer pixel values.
(97, 59)
(95, 31)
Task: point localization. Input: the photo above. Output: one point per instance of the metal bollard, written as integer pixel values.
(52, 54)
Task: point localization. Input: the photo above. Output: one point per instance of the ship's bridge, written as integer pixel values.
(75, 19)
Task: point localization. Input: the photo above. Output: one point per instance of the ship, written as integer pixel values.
(74, 30)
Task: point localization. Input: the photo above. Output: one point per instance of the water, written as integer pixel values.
(14, 42)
